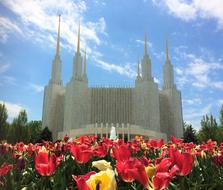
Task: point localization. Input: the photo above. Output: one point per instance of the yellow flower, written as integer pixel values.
(144, 146)
(138, 138)
(101, 165)
(203, 154)
(104, 180)
(150, 171)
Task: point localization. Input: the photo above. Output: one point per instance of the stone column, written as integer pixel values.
(95, 129)
(106, 131)
(117, 129)
(101, 130)
(128, 129)
(123, 133)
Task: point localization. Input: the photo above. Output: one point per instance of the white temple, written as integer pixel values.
(77, 109)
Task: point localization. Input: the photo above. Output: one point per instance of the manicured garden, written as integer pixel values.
(88, 163)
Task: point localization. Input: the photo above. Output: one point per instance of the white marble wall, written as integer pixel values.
(171, 115)
(53, 107)
(146, 105)
(112, 105)
(77, 105)
(143, 106)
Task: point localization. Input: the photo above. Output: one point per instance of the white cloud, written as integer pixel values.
(206, 109)
(192, 101)
(4, 68)
(37, 88)
(158, 55)
(12, 109)
(4, 77)
(181, 9)
(156, 80)
(194, 115)
(199, 71)
(191, 10)
(122, 70)
(8, 27)
(179, 71)
(182, 80)
(142, 42)
(39, 20)
(220, 102)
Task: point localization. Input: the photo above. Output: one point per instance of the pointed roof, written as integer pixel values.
(58, 39)
(78, 39)
(145, 44)
(85, 61)
(167, 53)
(138, 69)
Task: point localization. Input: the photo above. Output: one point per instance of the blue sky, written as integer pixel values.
(112, 32)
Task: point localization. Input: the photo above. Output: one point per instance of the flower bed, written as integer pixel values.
(88, 163)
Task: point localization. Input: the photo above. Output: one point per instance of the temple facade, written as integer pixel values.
(76, 109)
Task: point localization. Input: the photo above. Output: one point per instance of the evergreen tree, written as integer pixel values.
(208, 129)
(19, 124)
(189, 133)
(3, 121)
(46, 135)
(221, 117)
(3, 115)
(220, 128)
(34, 128)
(22, 118)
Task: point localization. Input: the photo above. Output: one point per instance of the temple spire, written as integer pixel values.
(58, 39)
(145, 45)
(78, 39)
(167, 54)
(138, 71)
(85, 61)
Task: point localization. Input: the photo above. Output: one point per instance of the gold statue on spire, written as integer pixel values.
(167, 54)
(78, 39)
(58, 39)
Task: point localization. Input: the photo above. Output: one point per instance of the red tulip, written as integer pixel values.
(88, 140)
(101, 150)
(81, 180)
(123, 168)
(175, 140)
(66, 138)
(59, 159)
(184, 161)
(20, 163)
(5, 168)
(132, 169)
(164, 165)
(140, 175)
(81, 152)
(45, 164)
(153, 143)
(3, 149)
(145, 161)
(218, 160)
(121, 153)
(161, 180)
(164, 174)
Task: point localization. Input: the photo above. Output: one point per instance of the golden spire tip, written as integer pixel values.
(58, 38)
